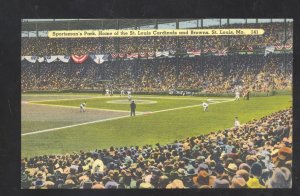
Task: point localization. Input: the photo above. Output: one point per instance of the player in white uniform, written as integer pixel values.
(236, 123)
(129, 95)
(122, 92)
(82, 107)
(205, 106)
(237, 95)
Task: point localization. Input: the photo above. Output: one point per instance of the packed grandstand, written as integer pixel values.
(207, 64)
(258, 154)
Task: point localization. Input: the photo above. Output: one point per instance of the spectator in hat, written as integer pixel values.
(221, 183)
(146, 185)
(111, 185)
(176, 184)
(219, 170)
(97, 186)
(243, 173)
(231, 169)
(238, 182)
(284, 155)
(281, 178)
(163, 182)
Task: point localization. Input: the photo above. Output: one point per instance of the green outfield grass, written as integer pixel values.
(149, 128)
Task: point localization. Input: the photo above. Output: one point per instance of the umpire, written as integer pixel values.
(132, 107)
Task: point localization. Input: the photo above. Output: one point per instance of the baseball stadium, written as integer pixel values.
(156, 112)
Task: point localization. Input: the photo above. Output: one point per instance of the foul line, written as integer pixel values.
(116, 118)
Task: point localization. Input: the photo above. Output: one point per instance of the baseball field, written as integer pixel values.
(52, 123)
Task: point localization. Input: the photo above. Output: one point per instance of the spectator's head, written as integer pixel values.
(238, 182)
(281, 178)
(221, 183)
(256, 169)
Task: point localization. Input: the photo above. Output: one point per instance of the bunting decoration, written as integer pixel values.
(143, 54)
(99, 58)
(114, 55)
(121, 55)
(151, 55)
(79, 58)
(288, 46)
(50, 59)
(63, 58)
(41, 59)
(133, 55)
(31, 59)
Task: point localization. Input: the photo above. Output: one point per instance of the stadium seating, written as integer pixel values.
(258, 154)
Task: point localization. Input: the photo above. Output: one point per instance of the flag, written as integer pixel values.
(64, 58)
(79, 58)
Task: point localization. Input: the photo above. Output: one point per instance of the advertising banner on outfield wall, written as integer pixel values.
(154, 32)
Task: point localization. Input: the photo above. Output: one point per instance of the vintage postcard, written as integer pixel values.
(156, 103)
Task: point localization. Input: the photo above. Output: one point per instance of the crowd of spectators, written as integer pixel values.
(258, 154)
(207, 74)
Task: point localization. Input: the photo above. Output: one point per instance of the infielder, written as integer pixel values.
(82, 107)
(237, 95)
(205, 106)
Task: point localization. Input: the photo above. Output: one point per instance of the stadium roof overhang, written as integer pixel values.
(69, 24)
